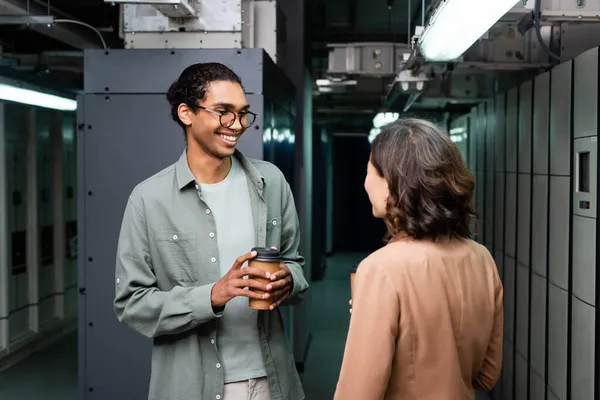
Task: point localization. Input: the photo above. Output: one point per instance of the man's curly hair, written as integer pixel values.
(430, 187)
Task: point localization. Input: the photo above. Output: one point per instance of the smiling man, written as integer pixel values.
(185, 239)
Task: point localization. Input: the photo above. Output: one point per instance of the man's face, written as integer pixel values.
(204, 127)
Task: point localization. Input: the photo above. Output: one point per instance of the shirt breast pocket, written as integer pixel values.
(178, 253)
(274, 232)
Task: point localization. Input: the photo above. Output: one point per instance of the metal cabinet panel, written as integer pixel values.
(584, 259)
(541, 115)
(499, 259)
(481, 137)
(520, 377)
(489, 208)
(473, 149)
(508, 366)
(157, 74)
(585, 94)
(524, 219)
(114, 360)
(522, 310)
(585, 188)
(557, 340)
(509, 298)
(537, 386)
(558, 228)
(512, 126)
(480, 206)
(510, 211)
(500, 133)
(560, 119)
(538, 324)
(539, 224)
(499, 212)
(490, 135)
(582, 350)
(525, 123)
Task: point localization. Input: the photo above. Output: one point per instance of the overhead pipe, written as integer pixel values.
(78, 38)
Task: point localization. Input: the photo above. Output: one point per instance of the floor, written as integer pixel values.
(51, 374)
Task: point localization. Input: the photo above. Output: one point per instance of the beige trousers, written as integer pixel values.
(252, 389)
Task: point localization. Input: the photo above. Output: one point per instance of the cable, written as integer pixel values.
(72, 21)
(536, 18)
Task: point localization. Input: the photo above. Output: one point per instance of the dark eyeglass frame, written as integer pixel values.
(221, 114)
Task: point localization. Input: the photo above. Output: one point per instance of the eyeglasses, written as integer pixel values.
(227, 118)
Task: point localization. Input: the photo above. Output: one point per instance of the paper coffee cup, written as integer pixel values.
(352, 277)
(268, 260)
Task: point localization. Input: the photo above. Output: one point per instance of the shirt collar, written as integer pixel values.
(185, 177)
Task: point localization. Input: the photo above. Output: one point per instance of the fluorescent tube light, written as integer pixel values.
(34, 98)
(451, 31)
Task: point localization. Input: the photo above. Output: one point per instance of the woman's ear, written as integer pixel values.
(386, 192)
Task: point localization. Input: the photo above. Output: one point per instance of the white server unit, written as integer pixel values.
(585, 211)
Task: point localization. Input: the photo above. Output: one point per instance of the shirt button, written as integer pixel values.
(274, 222)
(208, 211)
(211, 234)
(218, 397)
(175, 237)
(213, 260)
(212, 341)
(197, 187)
(218, 365)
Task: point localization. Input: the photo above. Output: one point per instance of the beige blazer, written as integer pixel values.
(426, 324)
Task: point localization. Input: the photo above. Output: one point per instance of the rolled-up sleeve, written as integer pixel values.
(371, 342)
(138, 302)
(290, 243)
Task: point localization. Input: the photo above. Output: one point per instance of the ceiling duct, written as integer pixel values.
(373, 59)
(169, 8)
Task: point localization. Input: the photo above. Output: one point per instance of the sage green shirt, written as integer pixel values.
(238, 341)
(167, 264)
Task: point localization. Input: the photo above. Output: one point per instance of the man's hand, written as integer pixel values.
(233, 283)
(280, 286)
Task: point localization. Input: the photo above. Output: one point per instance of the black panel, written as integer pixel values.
(19, 252)
(47, 245)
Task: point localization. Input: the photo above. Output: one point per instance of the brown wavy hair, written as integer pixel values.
(430, 187)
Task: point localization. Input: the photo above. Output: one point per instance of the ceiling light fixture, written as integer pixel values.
(450, 32)
(35, 98)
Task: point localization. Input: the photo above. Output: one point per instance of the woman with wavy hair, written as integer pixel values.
(427, 314)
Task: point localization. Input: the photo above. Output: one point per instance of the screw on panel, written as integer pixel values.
(89, 127)
(580, 3)
(82, 291)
